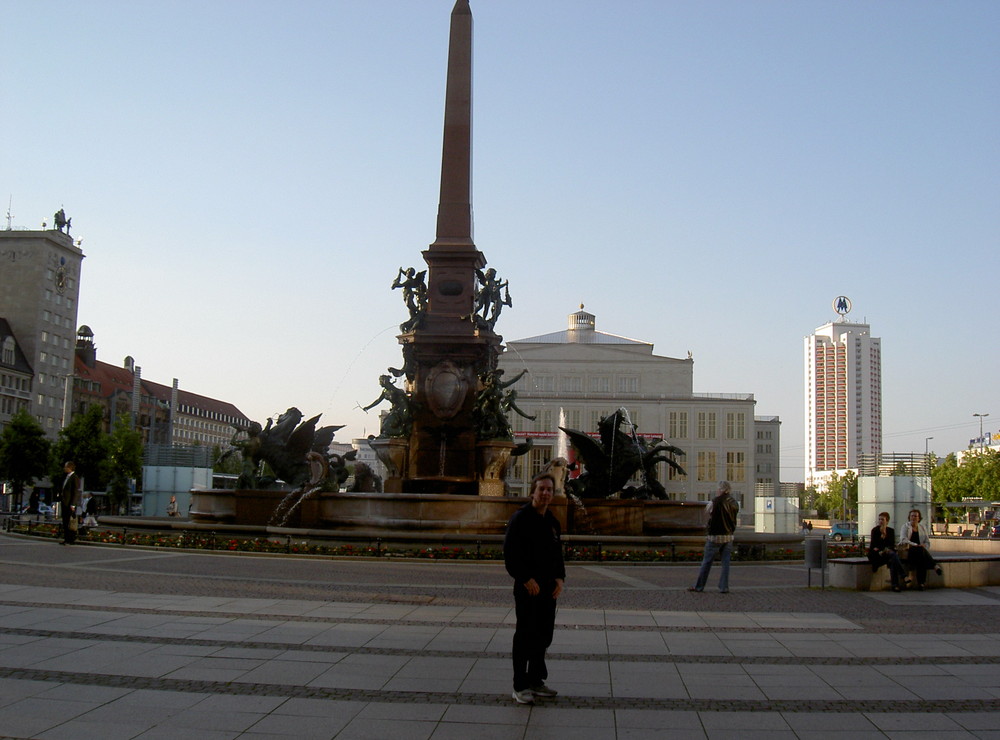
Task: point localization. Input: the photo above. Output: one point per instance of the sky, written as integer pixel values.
(247, 178)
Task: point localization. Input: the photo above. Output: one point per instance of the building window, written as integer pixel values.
(736, 425)
(678, 425)
(572, 383)
(8, 351)
(672, 474)
(706, 425)
(628, 384)
(545, 383)
(706, 465)
(540, 457)
(548, 424)
(600, 384)
(736, 467)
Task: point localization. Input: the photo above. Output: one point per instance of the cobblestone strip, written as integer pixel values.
(476, 654)
(852, 706)
(263, 616)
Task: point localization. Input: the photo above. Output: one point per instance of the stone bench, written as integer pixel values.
(960, 570)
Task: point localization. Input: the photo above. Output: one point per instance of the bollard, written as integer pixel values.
(378, 547)
(288, 545)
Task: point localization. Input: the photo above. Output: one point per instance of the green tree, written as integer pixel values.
(831, 499)
(84, 442)
(808, 499)
(123, 462)
(24, 452)
(949, 482)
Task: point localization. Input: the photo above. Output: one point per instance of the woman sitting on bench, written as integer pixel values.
(917, 543)
(882, 550)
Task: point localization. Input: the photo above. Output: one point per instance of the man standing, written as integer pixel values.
(69, 498)
(532, 553)
(722, 516)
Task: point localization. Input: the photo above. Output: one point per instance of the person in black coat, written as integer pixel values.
(532, 553)
(69, 499)
(882, 550)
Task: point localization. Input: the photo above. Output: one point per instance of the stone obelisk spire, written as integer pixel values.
(453, 258)
(454, 221)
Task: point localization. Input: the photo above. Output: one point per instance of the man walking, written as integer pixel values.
(532, 553)
(69, 498)
(722, 516)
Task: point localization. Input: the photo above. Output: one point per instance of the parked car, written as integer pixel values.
(843, 530)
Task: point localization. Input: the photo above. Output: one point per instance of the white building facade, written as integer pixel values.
(577, 376)
(843, 399)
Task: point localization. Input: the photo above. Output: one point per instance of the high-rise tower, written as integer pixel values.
(843, 396)
(39, 293)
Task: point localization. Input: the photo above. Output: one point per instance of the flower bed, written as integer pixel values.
(287, 545)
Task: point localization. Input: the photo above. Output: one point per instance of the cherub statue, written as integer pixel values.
(399, 420)
(492, 405)
(492, 296)
(414, 295)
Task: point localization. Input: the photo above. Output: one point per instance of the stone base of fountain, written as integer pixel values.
(443, 513)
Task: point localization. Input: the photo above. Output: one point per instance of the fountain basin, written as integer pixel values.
(443, 513)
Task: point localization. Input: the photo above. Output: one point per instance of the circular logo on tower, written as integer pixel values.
(842, 305)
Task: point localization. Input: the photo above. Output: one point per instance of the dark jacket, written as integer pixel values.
(879, 543)
(532, 547)
(722, 518)
(70, 493)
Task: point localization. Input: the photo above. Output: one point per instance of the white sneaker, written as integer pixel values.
(543, 690)
(524, 697)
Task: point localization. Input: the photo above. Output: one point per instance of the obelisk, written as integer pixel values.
(453, 258)
(447, 352)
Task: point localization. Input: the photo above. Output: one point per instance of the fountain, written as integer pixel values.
(446, 439)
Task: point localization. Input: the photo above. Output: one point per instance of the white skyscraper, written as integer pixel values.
(843, 396)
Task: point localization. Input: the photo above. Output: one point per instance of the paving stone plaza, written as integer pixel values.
(106, 642)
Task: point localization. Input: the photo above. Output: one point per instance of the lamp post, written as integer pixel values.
(926, 440)
(981, 417)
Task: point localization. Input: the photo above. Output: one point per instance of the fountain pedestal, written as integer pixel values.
(494, 456)
(394, 454)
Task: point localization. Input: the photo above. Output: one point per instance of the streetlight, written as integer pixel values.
(926, 440)
(981, 417)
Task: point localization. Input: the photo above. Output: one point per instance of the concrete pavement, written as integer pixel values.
(172, 660)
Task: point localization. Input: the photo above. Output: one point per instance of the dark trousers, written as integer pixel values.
(919, 559)
(69, 535)
(891, 560)
(536, 621)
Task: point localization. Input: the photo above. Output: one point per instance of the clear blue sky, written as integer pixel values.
(247, 177)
